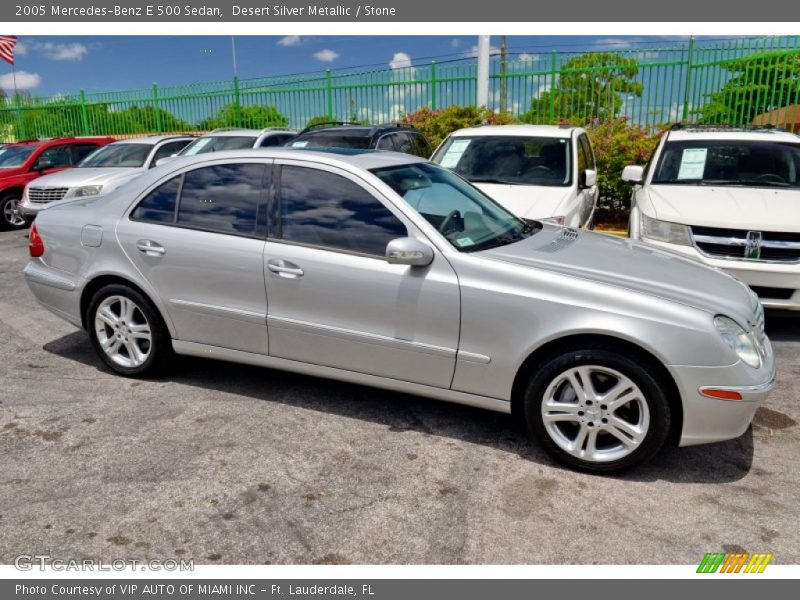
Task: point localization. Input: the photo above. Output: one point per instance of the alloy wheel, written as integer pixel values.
(123, 331)
(11, 213)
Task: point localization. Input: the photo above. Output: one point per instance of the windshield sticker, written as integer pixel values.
(300, 144)
(454, 153)
(693, 163)
(464, 241)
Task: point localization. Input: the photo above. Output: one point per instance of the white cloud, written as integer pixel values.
(21, 49)
(400, 60)
(25, 81)
(473, 52)
(615, 43)
(455, 43)
(528, 57)
(74, 51)
(326, 55)
(290, 40)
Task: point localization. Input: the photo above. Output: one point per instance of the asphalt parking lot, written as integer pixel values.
(231, 464)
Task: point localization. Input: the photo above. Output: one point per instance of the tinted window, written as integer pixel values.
(587, 148)
(223, 198)
(339, 138)
(323, 209)
(418, 145)
(118, 155)
(58, 156)
(81, 151)
(218, 143)
(277, 139)
(159, 205)
(167, 149)
(386, 142)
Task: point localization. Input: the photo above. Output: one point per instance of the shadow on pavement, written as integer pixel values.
(717, 463)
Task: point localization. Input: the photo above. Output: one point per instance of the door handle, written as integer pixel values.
(150, 248)
(284, 268)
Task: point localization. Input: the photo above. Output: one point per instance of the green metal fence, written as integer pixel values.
(734, 82)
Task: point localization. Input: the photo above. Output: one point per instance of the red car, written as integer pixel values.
(22, 162)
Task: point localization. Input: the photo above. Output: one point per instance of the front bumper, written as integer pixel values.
(29, 210)
(707, 420)
(771, 277)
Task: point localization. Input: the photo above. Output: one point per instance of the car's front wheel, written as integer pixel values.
(597, 410)
(10, 218)
(126, 331)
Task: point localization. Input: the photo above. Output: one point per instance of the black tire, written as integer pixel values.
(638, 372)
(8, 202)
(159, 349)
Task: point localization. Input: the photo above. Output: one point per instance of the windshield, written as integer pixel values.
(118, 155)
(513, 160)
(729, 162)
(218, 143)
(329, 140)
(469, 219)
(13, 156)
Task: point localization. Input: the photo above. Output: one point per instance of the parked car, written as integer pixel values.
(394, 137)
(729, 198)
(100, 172)
(22, 162)
(535, 171)
(234, 138)
(387, 270)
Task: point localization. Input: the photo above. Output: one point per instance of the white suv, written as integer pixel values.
(729, 198)
(535, 171)
(234, 138)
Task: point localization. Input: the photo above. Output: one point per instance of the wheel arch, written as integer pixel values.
(594, 340)
(93, 285)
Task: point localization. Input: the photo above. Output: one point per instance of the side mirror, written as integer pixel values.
(633, 174)
(409, 251)
(42, 165)
(588, 178)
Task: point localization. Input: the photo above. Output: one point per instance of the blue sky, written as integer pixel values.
(51, 65)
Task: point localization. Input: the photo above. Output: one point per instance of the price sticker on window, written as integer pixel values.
(693, 163)
(454, 153)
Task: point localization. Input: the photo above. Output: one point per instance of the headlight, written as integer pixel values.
(664, 231)
(84, 190)
(742, 342)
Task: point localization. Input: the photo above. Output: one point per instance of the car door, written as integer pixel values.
(333, 298)
(198, 239)
(588, 194)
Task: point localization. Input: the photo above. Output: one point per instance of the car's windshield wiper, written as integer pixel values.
(491, 180)
(762, 183)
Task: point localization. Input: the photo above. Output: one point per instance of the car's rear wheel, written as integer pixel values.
(596, 410)
(127, 332)
(9, 214)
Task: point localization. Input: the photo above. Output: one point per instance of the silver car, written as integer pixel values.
(387, 270)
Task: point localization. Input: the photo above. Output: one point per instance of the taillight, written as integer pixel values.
(35, 243)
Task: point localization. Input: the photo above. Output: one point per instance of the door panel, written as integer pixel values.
(363, 314)
(211, 283)
(333, 298)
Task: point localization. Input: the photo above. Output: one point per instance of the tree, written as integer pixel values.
(760, 82)
(589, 87)
(436, 125)
(253, 115)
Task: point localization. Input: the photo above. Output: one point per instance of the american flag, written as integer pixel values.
(7, 43)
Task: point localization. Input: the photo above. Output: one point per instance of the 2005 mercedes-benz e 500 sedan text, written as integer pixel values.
(387, 270)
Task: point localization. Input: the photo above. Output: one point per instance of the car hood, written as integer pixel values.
(527, 201)
(628, 264)
(764, 209)
(88, 176)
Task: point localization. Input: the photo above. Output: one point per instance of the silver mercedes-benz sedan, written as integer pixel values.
(387, 270)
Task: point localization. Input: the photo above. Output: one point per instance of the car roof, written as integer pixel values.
(774, 135)
(153, 139)
(336, 128)
(554, 131)
(62, 140)
(362, 159)
(243, 131)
